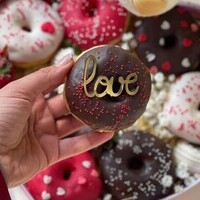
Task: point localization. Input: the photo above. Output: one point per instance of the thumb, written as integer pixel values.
(42, 80)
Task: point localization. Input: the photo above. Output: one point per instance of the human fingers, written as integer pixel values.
(57, 106)
(42, 80)
(67, 125)
(75, 145)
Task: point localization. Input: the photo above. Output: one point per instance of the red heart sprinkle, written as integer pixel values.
(184, 24)
(142, 37)
(187, 42)
(181, 10)
(194, 27)
(153, 69)
(166, 66)
(48, 27)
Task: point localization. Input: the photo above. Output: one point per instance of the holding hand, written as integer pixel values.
(32, 128)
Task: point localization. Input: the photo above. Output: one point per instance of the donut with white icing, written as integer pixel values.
(31, 31)
(182, 107)
(93, 22)
(188, 154)
(71, 179)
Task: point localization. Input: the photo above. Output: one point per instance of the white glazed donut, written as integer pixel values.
(188, 154)
(181, 108)
(31, 31)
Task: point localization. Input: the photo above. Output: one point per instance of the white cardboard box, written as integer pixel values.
(190, 193)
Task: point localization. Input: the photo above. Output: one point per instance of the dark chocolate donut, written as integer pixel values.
(169, 42)
(139, 167)
(108, 88)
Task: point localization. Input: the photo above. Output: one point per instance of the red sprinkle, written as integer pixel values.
(194, 27)
(153, 69)
(142, 37)
(81, 180)
(166, 66)
(48, 27)
(187, 42)
(184, 24)
(181, 10)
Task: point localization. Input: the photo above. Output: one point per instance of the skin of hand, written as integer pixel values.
(33, 129)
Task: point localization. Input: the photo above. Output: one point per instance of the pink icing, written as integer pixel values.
(93, 22)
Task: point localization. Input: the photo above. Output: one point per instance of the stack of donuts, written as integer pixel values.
(147, 91)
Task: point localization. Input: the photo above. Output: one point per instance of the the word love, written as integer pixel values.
(106, 82)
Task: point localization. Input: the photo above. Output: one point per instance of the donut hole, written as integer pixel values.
(115, 88)
(89, 8)
(135, 163)
(67, 174)
(170, 41)
(26, 28)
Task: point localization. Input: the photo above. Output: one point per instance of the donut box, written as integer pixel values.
(191, 192)
(157, 124)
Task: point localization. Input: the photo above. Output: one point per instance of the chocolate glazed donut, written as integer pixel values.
(108, 88)
(169, 42)
(139, 167)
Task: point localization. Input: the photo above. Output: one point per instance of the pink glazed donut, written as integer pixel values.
(93, 22)
(182, 107)
(30, 32)
(75, 178)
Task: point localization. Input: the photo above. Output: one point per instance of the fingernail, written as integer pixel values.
(65, 60)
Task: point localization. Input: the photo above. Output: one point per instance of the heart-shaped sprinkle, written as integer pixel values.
(45, 195)
(82, 180)
(142, 37)
(186, 63)
(187, 42)
(138, 23)
(166, 66)
(94, 173)
(48, 27)
(181, 10)
(60, 191)
(184, 24)
(86, 164)
(162, 42)
(153, 69)
(165, 25)
(47, 180)
(194, 27)
(150, 57)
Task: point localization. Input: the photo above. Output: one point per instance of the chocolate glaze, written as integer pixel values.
(136, 166)
(169, 42)
(108, 113)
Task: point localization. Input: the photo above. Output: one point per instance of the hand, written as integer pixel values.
(32, 128)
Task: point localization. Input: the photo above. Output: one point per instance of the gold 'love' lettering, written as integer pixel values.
(107, 82)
